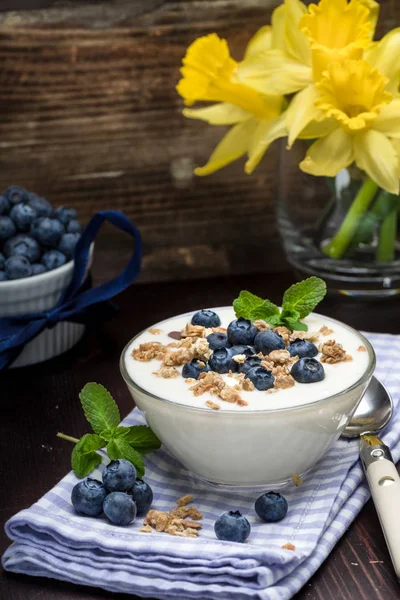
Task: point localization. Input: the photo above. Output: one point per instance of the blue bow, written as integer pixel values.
(75, 303)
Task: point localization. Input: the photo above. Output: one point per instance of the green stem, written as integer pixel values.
(340, 242)
(386, 250)
(67, 437)
(374, 217)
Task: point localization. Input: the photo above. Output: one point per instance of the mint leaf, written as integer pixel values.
(304, 296)
(267, 310)
(142, 438)
(295, 325)
(84, 457)
(253, 307)
(120, 448)
(100, 408)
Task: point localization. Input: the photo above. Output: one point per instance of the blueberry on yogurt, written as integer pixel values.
(302, 348)
(241, 331)
(307, 370)
(267, 341)
(221, 361)
(206, 318)
(262, 378)
(250, 363)
(217, 340)
(194, 368)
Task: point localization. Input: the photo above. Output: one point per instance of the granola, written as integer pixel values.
(279, 357)
(192, 330)
(297, 480)
(361, 349)
(289, 546)
(148, 351)
(284, 332)
(167, 372)
(247, 385)
(155, 331)
(230, 395)
(239, 358)
(212, 405)
(325, 330)
(332, 352)
(283, 381)
(184, 500)
(261, 325)
(208, 382)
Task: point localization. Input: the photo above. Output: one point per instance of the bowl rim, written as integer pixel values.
(364, 378)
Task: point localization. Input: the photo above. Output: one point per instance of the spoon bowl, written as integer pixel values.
(373, 413)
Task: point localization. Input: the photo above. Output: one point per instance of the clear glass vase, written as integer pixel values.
(342, 229)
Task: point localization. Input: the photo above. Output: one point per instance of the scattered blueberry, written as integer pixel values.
(253, 361)
(18, 267)
(302, 348)
(4, 205)
(262, 378)
(41, 205)
(88, 496)
(142, 495)
(241, 331)
(22, 245)
(119, 508)
(217, 340)
(38, 269)
(232, 527)
(47, 231)
(53, 259)
(16, 194)
(193, 368)
(271, 507)
(3, 276)
(68, 243)
(307, 370)
(119, 475)
(206, 318)
(74, 226)
(221, 361)
(23, 216)
(267, 341)
(7, 228)
(2, 261)
(65, 214)
(240, 349)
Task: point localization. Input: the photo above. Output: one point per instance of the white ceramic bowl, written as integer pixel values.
(251, 448)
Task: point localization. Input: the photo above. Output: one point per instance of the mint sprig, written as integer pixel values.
(102, 413)
(298, 302)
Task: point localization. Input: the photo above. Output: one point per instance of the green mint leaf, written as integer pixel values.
(266, 310)
(273, 321)
(142, 438)
(295, 325)
(304, 296)
(84, 457)
(120, 448)
(100, 408)
(253, 307)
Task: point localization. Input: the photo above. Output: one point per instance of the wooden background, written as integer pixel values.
(89, 117)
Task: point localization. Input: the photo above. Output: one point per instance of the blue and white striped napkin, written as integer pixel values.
(51, 540)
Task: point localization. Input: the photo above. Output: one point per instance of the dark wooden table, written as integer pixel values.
(37, 402)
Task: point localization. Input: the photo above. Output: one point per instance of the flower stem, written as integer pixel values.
(340, 242)
(67, 437)
(386, 250)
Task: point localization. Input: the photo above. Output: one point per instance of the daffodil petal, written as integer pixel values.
(329, 155)
(373, 8)
(278, 28)
(297, 44)
(388, 120)
(376, 155)
(262, 40)
(318, 129)
(384, 55)
(231, 147)
(218, 114)
(301, 112)
(266, 133)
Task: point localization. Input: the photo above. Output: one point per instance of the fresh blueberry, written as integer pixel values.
(217, 340)
(193, 368)
(221, 361)
(68, 243)
(271, 507)
(241, 331)
(142, 495)
(3, 276)
(232, 527)
(119, 475)
(240, 349)
(22, 245)
(267, 341)
(48, 232)
(7, 228)
(65, 214)
(253, 361)
(23, 216)
(18, 267)
(38, 269)
(302, 348)
(4, 205)
(88, 496)
(41, 205)
(52, 259)
(2, 261)
(262, 378)
(307, 370)
(16, 194)
(206, 318)
(74, 226)
(119, 508)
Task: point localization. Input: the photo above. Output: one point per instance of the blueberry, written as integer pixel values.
(74, 226)
(7, 228)
(52, 259)
(232, 527)
(271, 507)
(23, 216)
(206, 318)
(240, 349)
(88, 496)
(22, 245)
(221, 361)
(47, 231)
(142, 495)
(3, 276)
(4, 205)
(193, 368)
(65, 214)
(262, 378)
(119, 508)
(218, 340)
(68, 243)
(307, 370)
(302, 348)
(267, 341)
(38, 269)
(253, 361)
(119, 475)
(18, 267)
(16, 194)
(241, 331)
(41, 205)
(2, 261)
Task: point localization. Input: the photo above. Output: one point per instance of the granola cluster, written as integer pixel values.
(175, 522)
(332, 352)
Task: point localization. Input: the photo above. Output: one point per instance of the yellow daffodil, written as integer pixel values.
(209, 74)
(363, 119)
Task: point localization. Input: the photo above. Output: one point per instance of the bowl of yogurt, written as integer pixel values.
(219, 425)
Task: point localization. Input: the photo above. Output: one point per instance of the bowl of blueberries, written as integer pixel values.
(37, 244)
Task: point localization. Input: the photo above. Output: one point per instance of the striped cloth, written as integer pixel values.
(51, 540)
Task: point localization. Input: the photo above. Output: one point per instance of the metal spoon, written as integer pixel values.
(373, 413)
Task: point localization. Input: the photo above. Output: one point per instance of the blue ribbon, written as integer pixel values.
(75, 303)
